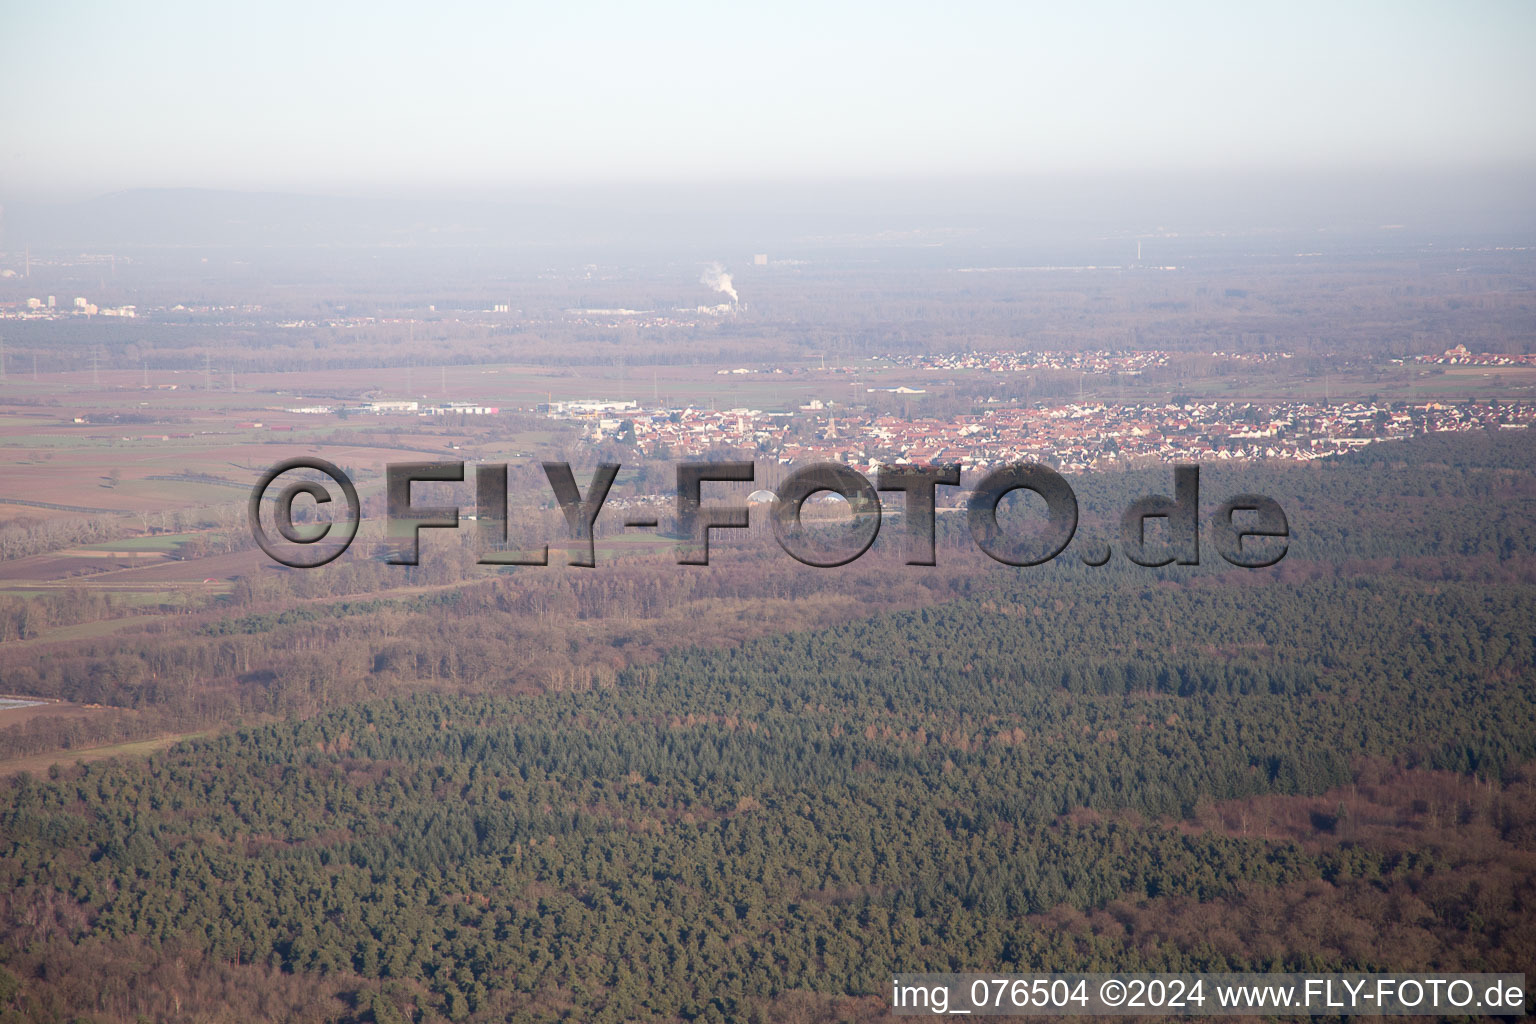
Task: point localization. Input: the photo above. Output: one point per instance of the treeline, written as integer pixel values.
(22, 618)
(291, 642)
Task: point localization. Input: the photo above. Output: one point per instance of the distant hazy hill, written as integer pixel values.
(206, 217)
(1023, 211)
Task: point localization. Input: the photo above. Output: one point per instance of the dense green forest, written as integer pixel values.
(800, 813)
(1321, 766)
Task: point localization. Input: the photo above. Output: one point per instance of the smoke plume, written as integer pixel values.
(716, 277)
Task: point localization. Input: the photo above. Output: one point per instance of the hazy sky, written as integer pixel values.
(321, 95)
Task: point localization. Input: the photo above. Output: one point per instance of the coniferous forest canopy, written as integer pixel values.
(432, 814)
